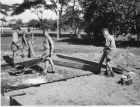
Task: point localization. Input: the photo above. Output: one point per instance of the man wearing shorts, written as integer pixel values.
(15, 44)
(48, 46)
(28, 39)
(109, 53)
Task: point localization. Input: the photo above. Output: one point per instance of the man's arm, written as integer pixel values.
(32, 38)
(51, 44)
(113, 45)
(24, 38)
(105, 47)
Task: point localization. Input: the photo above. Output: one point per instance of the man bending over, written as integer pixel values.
(48, 46)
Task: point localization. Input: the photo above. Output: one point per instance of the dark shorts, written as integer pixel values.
(14, 46)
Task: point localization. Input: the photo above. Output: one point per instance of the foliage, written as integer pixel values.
(46, 24)
(19, 22)
(33, 23)
(119, 16)
(27, 4)
(4, 8)
(72, 18)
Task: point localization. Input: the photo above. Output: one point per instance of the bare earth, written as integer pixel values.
(92, 89)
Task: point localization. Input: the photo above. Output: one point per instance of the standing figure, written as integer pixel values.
(15, 44)
(109, 53)
(28, 39)
(48, 46)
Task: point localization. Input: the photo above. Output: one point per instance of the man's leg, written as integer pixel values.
(29, 49)
(110, 72)
(23, 50)
(14, 49)
(29, 53)
(13, 56)
(46, 67)
(52, 64)
(100, 63)
(32, 53)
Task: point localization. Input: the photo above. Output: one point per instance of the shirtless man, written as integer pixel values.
(48, 46)
(28, 39)
(109, 53)
(15, 44)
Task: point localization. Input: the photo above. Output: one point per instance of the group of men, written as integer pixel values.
(28, 40)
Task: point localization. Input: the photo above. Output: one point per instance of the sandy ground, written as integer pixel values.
(85, 90)
(89, 90)
(93, 89)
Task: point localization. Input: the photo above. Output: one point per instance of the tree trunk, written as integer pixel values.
(1, 29)
(138, 37)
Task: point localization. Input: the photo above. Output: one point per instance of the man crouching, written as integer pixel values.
(48, 46)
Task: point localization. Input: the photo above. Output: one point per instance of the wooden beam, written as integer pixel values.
(93, 64)
(68, 61)
(76, 65)
(76, 59)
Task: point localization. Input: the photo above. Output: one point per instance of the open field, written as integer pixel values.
(85, 90)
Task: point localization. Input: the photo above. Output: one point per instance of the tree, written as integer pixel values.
(117, 15)
(39, 10)
(37, 7)
(46, 24)
(73, 17)
(33, 23)
(58, 6)
(19, 22)
(4, 8)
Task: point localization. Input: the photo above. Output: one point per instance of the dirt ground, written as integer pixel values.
(92, 89)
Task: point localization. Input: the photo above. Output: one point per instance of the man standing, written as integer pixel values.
(48, 46)
(15, 44)
(28, 39)
(109, 53)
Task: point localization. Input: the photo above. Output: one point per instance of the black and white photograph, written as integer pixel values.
(70, 52)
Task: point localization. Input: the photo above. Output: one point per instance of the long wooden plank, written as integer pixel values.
(84, 65)
(68, 61)
(77, 59)
(76, 65)
(24, 63)
(92, 63)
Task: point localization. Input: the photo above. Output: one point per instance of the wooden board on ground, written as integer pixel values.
(62, 60)
(65, 60)
(93, 64)
(83, 64)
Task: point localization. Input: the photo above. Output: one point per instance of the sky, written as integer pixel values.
(27, 15)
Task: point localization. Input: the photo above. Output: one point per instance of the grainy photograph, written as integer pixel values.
(70, 52)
